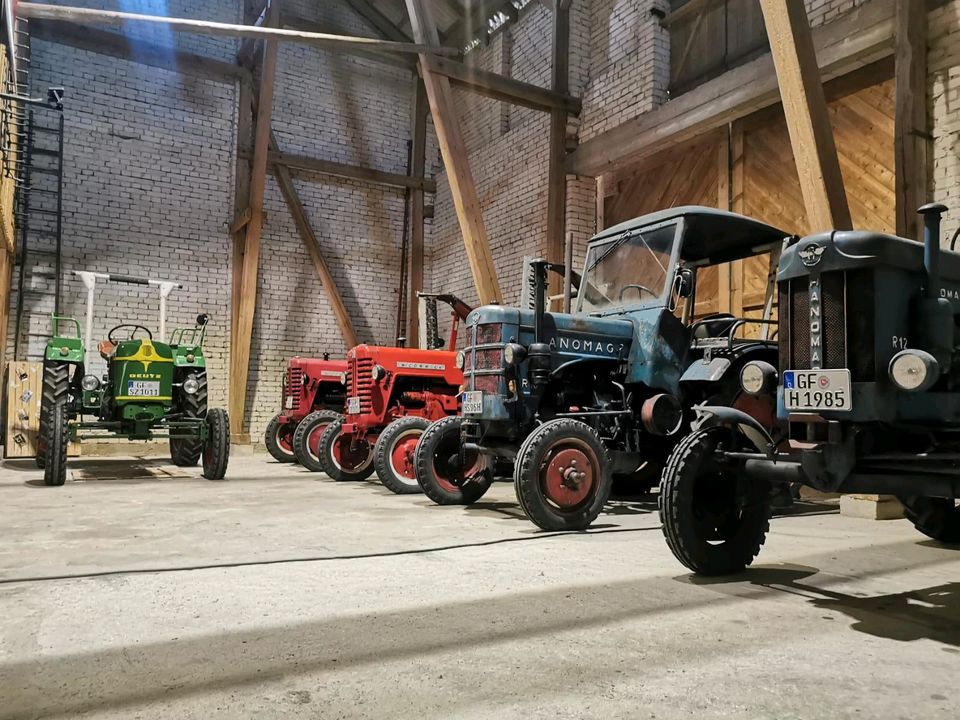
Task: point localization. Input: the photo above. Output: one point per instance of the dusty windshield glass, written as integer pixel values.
(630, 270)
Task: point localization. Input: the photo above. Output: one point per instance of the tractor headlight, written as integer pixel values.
(191, 386)
(378, 373)
(913, 370)
(191, 357)
(460, 360)
(90, 383)
(343, 378)
(514, 353)
(758, 377)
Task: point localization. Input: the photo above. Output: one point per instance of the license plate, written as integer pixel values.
(817, 390)
(473, 402)
(141, 388)
(289, 403)
(353, 406)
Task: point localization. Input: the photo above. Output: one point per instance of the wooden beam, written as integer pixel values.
(300, 219)
(556, 170)
(380, 22)
(724, 270)
(454, 153)
(297, 22)
(499, 87)
(346, 43)
(417, 169)
(737, 205)
(6, 276)
(860, 37)
(142, 52)
(808, 120)
(248, 273)
(910, 129)
(354, 172)
(241, 198)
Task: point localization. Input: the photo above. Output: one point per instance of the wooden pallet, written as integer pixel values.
(24, 388)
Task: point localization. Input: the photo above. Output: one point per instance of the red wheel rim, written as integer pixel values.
(401, 455)
(285, 438)
(446, 468)
(313, 439)
(569, 475)
(350, 455)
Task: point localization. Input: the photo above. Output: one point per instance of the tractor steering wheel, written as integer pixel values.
(638, 286)
(133, 331)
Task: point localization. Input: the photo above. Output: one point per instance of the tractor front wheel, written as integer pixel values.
(278, 439)
(562, 475)
(56, 389)
(57, 439)
(216, 450)
(344, 457)
(394, 454)
(306, 438)
(186, 452)
(714, 519)
(445, 474)
(937, 518)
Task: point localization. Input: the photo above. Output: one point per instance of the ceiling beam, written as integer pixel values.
(297, 22)
(352, 172)
(380, 22)
(346, 43)
(911, 131)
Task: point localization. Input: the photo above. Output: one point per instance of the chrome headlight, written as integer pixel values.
(343, 378)
(913, 370)
(191, 386)
(90, 383)
(514, 353)
(460, 360)
(378, 373)
(758, 377)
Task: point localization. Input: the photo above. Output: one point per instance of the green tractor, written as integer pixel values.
(152, 388)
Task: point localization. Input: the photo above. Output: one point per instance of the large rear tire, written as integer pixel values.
(56, 391)
(216, 450)
(714, 520)
(185, 452)
(344, 458)
(306, 438)
(563, 475)
(938, 518)
(444, 474)
(394, 455)
(55, 468)
(278, 439)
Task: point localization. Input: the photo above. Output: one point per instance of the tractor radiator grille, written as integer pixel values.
(361, 383)
(847, 307)
(488, 359)
(294, 388)
(483, 365)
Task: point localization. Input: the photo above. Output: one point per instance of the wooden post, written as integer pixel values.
(724, 271)
(417, 169)
(6, 271)
(910, 128)
(805, 108)
(556, 171)
(250, 250)
(737, 206)
(454, 152)
(601, 209)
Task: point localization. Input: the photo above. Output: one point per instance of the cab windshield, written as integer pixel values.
(628, 271)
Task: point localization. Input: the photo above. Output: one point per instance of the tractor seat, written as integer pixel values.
(107, 349)
(714, 326)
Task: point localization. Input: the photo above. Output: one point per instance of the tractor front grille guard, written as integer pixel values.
(483, 364)
(293, 390)
(360, 383)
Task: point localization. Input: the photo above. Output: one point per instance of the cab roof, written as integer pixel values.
(711, 235)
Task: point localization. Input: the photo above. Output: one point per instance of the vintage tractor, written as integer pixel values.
(312, 389)
(574, 399)
(393, 394)
(152, 388)
(867, 395)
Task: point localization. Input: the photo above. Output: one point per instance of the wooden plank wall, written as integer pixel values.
(764, 182)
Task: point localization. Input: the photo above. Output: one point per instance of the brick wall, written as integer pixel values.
(943, 97)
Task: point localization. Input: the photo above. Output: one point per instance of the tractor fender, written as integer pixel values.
(706, 370)
(749, 427)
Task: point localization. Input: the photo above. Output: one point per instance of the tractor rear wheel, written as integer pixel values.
(55, 468)
(938, 518)
(715, 521)
(56, 389)
(344, 458)
(186, 452)
(216, 450)
(278, 439)
(447, 476)
(394, 454)
(306, 438)
(562, 475)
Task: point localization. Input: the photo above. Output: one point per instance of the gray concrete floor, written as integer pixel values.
(139, 590)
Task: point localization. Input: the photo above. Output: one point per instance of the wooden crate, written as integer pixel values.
(23, 391)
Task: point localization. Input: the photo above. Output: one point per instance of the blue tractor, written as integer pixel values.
(573, 400)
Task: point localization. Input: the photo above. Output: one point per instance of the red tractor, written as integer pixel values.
(313, 395)
(393, 394)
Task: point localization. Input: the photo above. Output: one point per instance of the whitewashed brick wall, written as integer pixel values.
(943, 97)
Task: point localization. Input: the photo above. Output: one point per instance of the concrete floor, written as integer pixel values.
(278, 593)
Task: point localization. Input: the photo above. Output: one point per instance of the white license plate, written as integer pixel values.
(141, 388)
(473, 402)
(817, 390)
(353, 406)
(289, 403)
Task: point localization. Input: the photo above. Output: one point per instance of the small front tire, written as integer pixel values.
(444, 473)
(394, 455)
(937, 518)
(278, 439)
(344, 458)
(306, 438)
(216, 450)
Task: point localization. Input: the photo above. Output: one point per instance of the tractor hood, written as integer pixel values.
(438, 364)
